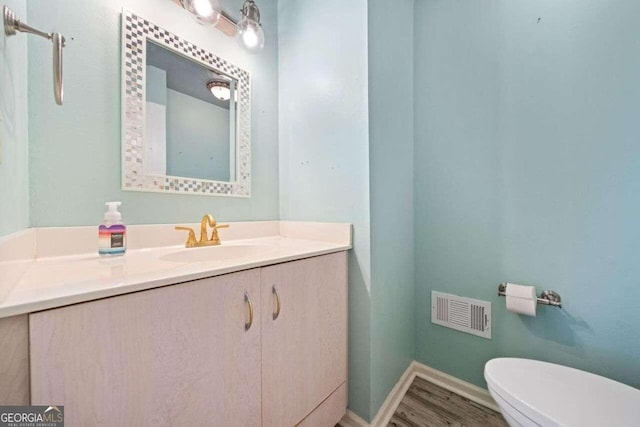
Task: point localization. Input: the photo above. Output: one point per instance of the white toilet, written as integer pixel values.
(534, 393)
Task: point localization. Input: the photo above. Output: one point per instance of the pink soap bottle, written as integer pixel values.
(112, 234)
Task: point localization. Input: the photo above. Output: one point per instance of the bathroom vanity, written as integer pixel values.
(255, 338)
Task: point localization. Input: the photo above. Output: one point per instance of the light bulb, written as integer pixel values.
(250, 35)
(249, 32)
(203, 7)
(250, 38)
(207, 12)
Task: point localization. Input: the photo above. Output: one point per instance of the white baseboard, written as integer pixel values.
(351, 419)
(396, 394)
(470, 391)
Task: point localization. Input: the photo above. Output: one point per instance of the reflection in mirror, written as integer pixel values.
(186, 115)
(190, 118)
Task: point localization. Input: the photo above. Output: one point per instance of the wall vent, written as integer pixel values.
(462, 314)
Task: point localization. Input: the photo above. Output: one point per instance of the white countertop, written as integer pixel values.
(29, 284)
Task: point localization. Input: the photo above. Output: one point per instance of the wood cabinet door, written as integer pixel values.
(172, 356)
(304, 349)
(14, 360)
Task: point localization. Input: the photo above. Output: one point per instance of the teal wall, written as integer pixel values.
(156, 85)
(14, 138)
(74, 153)
(324, 143)
(527, 170)
(197, 138)
(391, 191)
(197, 132)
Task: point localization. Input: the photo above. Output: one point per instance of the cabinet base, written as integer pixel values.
(330, 411)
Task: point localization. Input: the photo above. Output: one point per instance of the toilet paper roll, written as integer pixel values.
(521, 299)
(522, 306)
(520, 291)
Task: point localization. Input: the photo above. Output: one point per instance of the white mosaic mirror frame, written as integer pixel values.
(135, 33)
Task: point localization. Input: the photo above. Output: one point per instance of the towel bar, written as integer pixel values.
(12, 25)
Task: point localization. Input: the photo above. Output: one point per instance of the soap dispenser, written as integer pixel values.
(112, 239)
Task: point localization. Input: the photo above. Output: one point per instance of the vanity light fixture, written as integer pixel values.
(249, 30)
(220, 89)
(206, 12)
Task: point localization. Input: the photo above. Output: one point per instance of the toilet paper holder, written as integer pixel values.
(546, 297)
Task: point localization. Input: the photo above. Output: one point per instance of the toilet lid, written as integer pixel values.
(554, 395)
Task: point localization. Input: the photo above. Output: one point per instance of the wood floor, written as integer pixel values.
(427, 405)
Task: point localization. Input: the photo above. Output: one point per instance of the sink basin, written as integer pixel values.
(216, 253)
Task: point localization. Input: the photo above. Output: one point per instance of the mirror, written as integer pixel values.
(186, 115)
(190, 118)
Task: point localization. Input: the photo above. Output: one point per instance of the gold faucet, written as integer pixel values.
(204, 238)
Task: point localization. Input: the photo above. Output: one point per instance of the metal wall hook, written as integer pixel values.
(11, 27)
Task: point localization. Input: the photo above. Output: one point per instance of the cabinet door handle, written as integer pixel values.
(275, 293)
(248, 324)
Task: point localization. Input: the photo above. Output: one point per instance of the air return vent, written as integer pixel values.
(462, 314)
